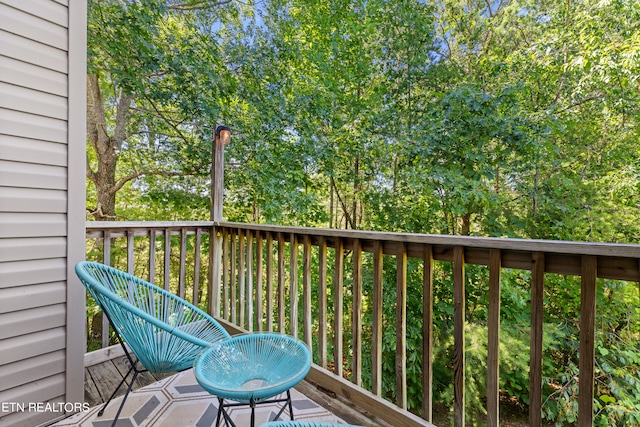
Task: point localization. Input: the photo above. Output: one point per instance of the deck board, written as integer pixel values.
(102, 378)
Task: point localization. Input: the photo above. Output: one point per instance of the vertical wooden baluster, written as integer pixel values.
(293, 283)
(130, 252)
(589, 271)
(281, 300)
(338, 297)
(401, 327)
(376, 351)
(459, 336)
(106, 260)
(259, 290)
(196, 268)
(249, 293)
(233, 302)
(356, 314)
(269, 290)
(226, 302)
(427, 332)
(322, 302)
(183, 263)
(493, 357)
(241, 278)
(306, 291)
(152, 256)
(535, 357)
(167, 258)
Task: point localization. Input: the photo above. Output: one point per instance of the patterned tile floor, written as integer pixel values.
(178, 401)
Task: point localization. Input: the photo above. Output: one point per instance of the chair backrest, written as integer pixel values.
(165, 332)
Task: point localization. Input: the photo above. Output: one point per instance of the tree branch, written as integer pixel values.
(199, 5)
(582, 101)
(167, 120)
(122, 181)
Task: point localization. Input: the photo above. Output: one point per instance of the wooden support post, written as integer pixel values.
(322, 302)
(427, 333)
(221, 138)
(280, 291)
(182, 275)
(106, 260)
(338, 311)
(356, 314)
(241, 278)
(458, 337)
(293, 283)
(401, 326)
(269, 289)
(196, 268)
(493, 365)
(535, 357)
(306, 292)
(259, 264)
(376, 350)
(587, 340)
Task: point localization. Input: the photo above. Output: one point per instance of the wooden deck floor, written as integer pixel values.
(105, 369)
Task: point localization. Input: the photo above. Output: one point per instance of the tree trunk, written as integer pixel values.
(465, 226)
(106, 146)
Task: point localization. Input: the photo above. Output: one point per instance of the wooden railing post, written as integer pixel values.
(427, 333)
(338, 298)
(152, 256)
(242, 256)
(376, 351)
(106, 260)
(356, 314)
(269, 287)
(249, 283)
(196, 268)
(401, 326)
(259, 263)
(458, 337)
(293, 284)
(281, 299)
(493, 338)
(535, 363)
(182, 269)
(215, 270)
(167, 258)
(586, 363)
(322, 302)
(306, 291)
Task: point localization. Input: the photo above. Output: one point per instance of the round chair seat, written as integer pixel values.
(252, 367)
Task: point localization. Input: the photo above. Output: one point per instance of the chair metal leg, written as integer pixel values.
(290, 404)
(222, 412)
(252, 403)
(133, 362)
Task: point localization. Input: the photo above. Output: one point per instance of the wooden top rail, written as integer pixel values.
(614, 261)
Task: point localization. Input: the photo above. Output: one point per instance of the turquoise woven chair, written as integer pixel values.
(165, 333)
(252, 369)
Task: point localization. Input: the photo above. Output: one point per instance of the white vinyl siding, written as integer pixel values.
(42, 119)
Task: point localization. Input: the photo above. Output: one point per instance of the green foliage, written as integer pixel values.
(513, 118)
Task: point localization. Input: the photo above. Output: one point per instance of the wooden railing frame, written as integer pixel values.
(240, 250)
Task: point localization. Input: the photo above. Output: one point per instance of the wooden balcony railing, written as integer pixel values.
(263, 277)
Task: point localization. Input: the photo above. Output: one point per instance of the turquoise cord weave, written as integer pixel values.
(165, 332)
(253, 366)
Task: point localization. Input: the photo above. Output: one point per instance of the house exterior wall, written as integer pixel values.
(42, 161)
